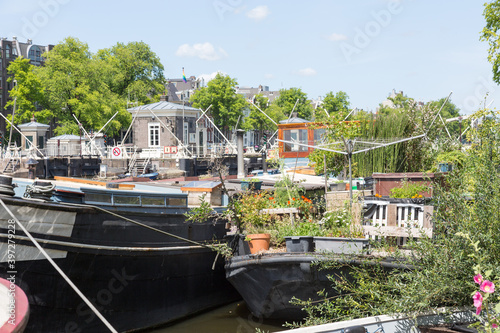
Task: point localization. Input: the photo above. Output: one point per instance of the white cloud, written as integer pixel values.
(258, 13)
(336, 37)
(269, 76)
(307, 72)
(205, 51)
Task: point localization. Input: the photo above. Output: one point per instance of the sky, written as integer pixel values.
(366, 48)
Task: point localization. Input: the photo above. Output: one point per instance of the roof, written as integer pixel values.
(294, 120)
(33, 124)
(163, 106)
(67, 137)
(250, 93)
(201, 186)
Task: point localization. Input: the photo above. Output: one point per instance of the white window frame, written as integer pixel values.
(153, 134)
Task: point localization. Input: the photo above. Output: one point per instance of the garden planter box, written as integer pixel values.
(337, 187)
(299, 243)
(341, 245)
(255, 185)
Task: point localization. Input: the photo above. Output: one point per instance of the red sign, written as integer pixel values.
(117, 151)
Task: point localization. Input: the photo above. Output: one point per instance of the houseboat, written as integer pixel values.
(131, 253)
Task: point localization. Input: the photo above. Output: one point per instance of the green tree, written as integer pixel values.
(335, 104)
(490, 35)
(77, 83)
(137, 71)
(449, 110)
(258, 121)
(287, 99)
(93, 87)
(28, 92)
(226, 105)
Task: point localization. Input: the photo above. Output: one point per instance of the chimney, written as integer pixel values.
(163, 98)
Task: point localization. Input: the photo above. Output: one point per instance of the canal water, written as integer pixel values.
(232, 318)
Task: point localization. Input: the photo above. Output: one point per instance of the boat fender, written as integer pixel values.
(355, 329)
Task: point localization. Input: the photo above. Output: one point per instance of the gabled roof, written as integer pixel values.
(163, 106)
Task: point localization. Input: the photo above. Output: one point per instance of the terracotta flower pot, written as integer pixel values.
(259, 242)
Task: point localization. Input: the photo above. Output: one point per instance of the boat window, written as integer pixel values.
(176, 202)
(126, 200)
(98, 197)
(153, 201)
(295, 135)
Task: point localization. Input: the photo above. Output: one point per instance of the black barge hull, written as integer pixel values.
(136, 277)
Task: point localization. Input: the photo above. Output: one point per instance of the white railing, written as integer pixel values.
(401, 220)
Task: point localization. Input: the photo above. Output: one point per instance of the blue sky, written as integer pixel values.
(366, 48)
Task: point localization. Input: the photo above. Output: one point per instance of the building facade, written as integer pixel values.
(9, 51)
(166, 126)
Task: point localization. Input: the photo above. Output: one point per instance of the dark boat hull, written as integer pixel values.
(136, 277)
(269, 282)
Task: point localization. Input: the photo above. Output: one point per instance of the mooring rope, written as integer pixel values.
(211, 247)
(39, 191)
(65, 277)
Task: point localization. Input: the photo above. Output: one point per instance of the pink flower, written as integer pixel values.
(487, 287)
(494, 325)
(478, 300)
(478, 279)
(478, 311)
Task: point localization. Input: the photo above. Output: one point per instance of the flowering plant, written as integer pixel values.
(483, 299)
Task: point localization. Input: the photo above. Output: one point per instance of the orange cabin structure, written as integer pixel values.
(307, 133)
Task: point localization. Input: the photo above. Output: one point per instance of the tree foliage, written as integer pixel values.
(441, 268)
(27, 92)
(334, 105)
(289, 98)
(490, 35)
(93, 87)
(220, 94)
(405, 119)
(258, 121)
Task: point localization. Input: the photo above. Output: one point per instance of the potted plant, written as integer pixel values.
(409, 191)
(258, 242)
(251, 183)
(252, 222)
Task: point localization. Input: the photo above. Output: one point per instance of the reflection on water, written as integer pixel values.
(232, 318)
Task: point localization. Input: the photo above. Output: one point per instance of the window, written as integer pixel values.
(176, 202)
(98, 198)
(35, 54)
(154, 134)
(319, 134)
(7, 51)
(153, 201)
(186, 133)
(126, 200)
(30, 138)
(295, 135)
